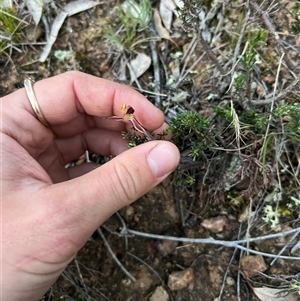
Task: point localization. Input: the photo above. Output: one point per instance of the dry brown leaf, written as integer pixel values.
(274, 294)
(70, 9)
(159, 28)
(139, 65)
(166, 8)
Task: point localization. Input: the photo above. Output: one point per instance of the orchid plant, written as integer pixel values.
(127, 113)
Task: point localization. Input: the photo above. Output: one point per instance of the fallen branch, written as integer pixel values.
(230, 244)
(279, 96)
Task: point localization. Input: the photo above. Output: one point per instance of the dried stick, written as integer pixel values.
(283, 249)
(227, 270)
(271, 110)
(229, 244)
(279, 96)
(82, 280)
(265, 17)
(210, 54)
(114, 256)
(155, 64)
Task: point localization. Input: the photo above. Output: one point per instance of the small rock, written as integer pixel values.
(129, 214)
(230, 281)
(252, 265)
(144, 280)
(159, 294)
(215, 224)
(166, 247)
(245, 215)
(180, 280)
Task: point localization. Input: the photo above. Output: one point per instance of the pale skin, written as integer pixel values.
(49, 212)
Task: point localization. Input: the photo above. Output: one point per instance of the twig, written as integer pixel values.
(153, 271)
(280, 96)
(124, 229)
(227, 270)
(114, 256)
(240, 39)
(134, 77)
(210, 54)
(155, 64)
(186, 57)
(183, 76)
(181, 210)
(271, 109)
(81, 279)
(190, 49)
(283, 249)
(229, 244)
(265, 17)
(238, 282)
(69, 275)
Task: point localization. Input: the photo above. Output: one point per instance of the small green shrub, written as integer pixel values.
(10, 28)
(192, 133)
(295, 286)
(295, 24)
(291, 112)
(251, 57)
(134, 17)
(252, 119)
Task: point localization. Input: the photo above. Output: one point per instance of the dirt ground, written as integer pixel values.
(209, 271)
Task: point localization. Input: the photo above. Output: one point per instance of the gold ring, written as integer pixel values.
(33, 101)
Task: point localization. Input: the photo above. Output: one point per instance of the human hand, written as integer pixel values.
(49, 212)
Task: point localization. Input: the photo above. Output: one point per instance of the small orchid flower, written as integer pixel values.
(128, 116)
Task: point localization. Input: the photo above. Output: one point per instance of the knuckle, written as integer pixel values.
(128, 182)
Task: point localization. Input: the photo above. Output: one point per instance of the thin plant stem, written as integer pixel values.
(114, 256)
(229, 244)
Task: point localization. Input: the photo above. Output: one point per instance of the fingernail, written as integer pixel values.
(163, 159)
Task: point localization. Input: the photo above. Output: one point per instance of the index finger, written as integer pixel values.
(65, 97)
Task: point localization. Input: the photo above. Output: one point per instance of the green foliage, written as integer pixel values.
(236, 202)
(295, 286)
(192, 133)
(248, 60)
(8, 21)
(10, 28)
(271, 216)
(295, 25)
(294, 204)
(134, 17)
(256, 120)
(251, 57)
(252, 119)
(239, 80)
(292, 114)
(134, 139)
(224, 112)
(138, 13)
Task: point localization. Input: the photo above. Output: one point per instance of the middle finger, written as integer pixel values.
(99, 141)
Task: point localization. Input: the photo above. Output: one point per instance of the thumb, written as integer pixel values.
(100, 193)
